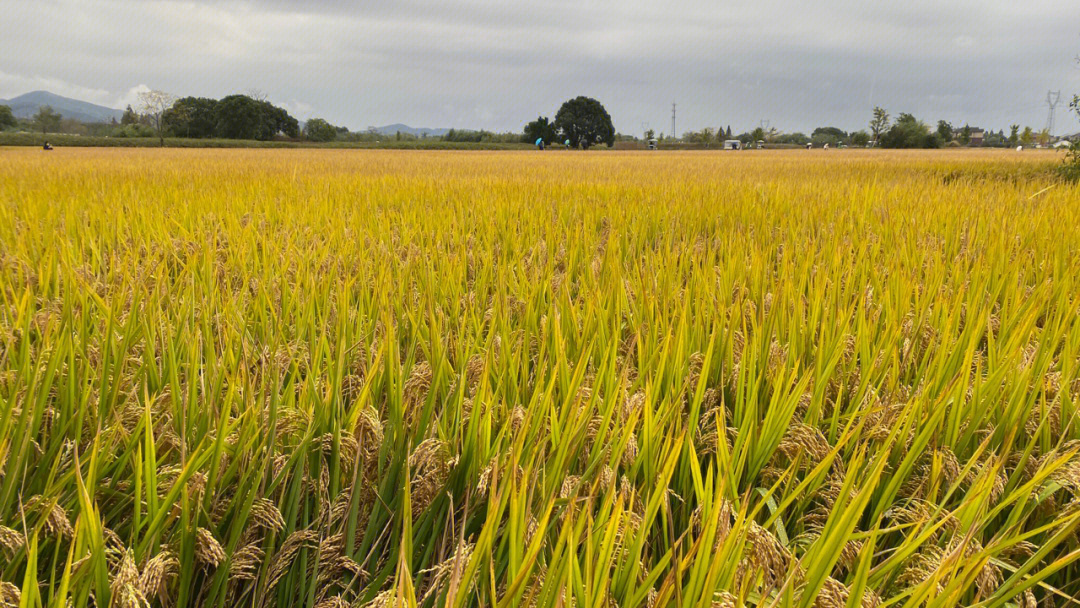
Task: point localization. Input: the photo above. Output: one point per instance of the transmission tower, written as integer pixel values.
(1052, 99)
(673, 121)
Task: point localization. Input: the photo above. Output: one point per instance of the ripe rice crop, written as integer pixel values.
(384, 378)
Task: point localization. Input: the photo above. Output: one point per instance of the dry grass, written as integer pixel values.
(331, 378)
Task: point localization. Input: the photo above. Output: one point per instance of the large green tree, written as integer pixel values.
(541, 128)
(909, 132)
(7, 118)
(585, 122)
(318, 129)
(944, 131)
(191, 117)
(47, 119)
(241, 117)
(828, 135)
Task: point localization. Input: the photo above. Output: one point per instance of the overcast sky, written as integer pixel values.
(496, 64)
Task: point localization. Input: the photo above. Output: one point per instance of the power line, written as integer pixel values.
(673, 120)
(1052, 99)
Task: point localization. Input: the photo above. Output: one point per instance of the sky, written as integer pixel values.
(496, 64)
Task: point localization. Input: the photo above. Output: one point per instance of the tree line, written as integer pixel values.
(580, 122)
(231, 117)
(907, 131)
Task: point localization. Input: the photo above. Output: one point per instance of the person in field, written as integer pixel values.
(540, 143)
(47, 146)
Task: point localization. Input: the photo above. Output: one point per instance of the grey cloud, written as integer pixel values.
(495, 64)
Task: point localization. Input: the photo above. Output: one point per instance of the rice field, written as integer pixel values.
(383, 378)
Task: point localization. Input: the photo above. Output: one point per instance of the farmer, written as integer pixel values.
(47, 146)
(567, 144)
(540, 143)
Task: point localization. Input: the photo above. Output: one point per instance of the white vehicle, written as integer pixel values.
(732, 144)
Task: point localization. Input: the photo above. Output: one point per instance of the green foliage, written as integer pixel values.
(241, 117)
(944, 131)
(585, 122)
(828, 135)
(133, 130)
(800, 139)
(233, 117)
(47, 120)
(481, 137)
(541, 128)
(318, 129)
(879, 123)
(129, 117)
(1070, 169)
(1027, 136)
(860, 139)
(994, 139)
(7, 118)
(965, 135)
(191, 117)
(704, 137)
(909, 132)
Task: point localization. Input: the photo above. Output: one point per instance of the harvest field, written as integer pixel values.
(381, 378)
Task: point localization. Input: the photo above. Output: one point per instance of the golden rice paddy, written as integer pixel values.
(377, 378)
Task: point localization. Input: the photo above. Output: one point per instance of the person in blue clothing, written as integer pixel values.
(540, 143)
(47, 146)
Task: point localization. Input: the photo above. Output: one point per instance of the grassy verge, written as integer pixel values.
(62, 140)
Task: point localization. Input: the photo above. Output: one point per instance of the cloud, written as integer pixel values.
(498, 63)
(297, 108)
(131, 97)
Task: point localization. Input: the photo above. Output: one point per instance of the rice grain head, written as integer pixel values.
(208, 550)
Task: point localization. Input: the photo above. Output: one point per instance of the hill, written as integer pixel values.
(26, 105)
(417, 131)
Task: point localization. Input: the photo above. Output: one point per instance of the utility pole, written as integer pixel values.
(1052, 99)
(673, 121)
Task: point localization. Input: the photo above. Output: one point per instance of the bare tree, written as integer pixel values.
(879, 124)
(153, 104)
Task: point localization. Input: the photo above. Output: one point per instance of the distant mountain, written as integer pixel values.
(417, 131)
(25, 106)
